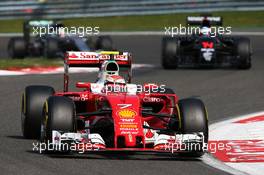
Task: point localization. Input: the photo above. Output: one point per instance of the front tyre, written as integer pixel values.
(58, 115)
(243, 49)
(169, 53)
(193, 119)
(17, 48)
(31, 112)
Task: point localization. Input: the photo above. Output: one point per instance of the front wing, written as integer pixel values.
(86, 142)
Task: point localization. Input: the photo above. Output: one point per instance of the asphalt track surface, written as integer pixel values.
(226, 92)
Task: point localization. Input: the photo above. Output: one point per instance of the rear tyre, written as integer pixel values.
(17, 48)
(104, 43)
(58, 114)
(51, 48)
(244, 53)
(169, 53)
(193, 120)
(31, 112)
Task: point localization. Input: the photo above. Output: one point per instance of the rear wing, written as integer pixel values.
(96, 59)
(198, 20)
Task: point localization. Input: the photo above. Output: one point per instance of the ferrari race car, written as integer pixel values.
(112, 113)
(204, 48)
(52, 44)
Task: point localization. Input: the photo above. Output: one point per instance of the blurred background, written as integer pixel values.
(96, 8)
(149, 16)
(128, 14)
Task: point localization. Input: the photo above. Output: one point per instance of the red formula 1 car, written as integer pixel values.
(112, 113)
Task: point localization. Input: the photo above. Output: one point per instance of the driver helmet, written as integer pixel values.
(205, 30)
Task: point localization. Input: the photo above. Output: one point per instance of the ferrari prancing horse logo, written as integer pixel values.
(122, 106)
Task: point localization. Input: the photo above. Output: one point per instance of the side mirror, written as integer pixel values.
(83, 85)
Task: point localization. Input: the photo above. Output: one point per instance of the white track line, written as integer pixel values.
(233, 168)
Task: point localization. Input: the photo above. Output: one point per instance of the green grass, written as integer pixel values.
(28, 62)
(148, 22)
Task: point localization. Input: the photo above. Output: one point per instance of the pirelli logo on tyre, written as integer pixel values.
(126, 113)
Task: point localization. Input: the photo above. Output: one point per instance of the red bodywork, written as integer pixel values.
(128, 126)
(126, 109)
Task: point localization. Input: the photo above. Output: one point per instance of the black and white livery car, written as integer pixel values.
(205, 49)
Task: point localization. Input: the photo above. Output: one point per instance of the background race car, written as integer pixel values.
(206, 46)
(112, 113)
(53, 43)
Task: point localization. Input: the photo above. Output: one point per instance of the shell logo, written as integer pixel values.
(126, 113)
